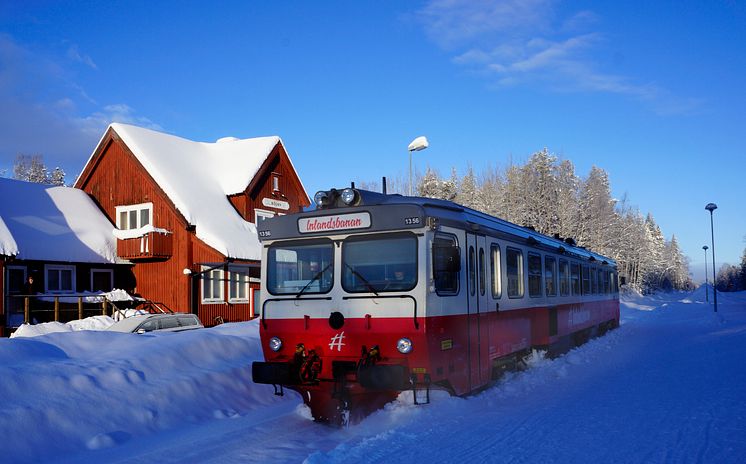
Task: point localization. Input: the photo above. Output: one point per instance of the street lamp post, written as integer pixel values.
(712, 207)
(707, 292)
(418, 144)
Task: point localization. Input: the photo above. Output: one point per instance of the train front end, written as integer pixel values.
(341, 314)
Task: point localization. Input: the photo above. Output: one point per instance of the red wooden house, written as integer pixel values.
(186, 211)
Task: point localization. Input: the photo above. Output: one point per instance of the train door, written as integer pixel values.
(476, 290)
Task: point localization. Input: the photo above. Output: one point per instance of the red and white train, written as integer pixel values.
(373, 294)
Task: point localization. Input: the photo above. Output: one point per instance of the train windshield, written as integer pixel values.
(379, 263)
(300, 268)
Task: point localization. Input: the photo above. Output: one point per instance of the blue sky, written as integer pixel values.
(652, 92)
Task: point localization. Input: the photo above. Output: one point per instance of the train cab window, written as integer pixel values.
(300, 267)
(550, 276)
(379, 263)
(446, 264)
(482, 271)
(564, 277)
(495, 266)
(586, 280)
(575, 278)
(472, 272)
(534, 275)
(514, 268)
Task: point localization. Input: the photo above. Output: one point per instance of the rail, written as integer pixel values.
(42, 303)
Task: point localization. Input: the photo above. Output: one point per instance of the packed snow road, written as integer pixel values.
(667, 386)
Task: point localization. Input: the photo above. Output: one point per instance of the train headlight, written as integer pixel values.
(349, 195)
(322, 199)
(404, 345)
(275, 344)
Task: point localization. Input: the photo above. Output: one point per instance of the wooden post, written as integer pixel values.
(56, 309)
(105, 306)
(80, 307)
(26, 311)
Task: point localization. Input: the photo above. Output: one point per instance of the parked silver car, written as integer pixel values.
(161, 322)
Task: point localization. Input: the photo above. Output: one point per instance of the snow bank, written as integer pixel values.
(664, 387)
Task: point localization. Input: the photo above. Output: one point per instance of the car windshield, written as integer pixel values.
(300, 268)
(379, 264)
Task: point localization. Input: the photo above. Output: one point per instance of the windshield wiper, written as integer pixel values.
(365, 281)
(315, 278)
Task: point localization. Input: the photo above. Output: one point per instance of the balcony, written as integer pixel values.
(149, 246)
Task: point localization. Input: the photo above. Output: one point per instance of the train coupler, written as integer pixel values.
(415, 384)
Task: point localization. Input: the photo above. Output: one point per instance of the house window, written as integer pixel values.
(275, 182)
(134, 216)
(238, 284)
(60, 279)
(102, 280)
(15, 280)
(256, 295)
(212, 286)
(262, 214)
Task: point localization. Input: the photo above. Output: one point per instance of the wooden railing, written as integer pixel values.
(49, 307)
(153, 245)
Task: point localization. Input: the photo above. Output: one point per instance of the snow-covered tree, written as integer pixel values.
(31, 168)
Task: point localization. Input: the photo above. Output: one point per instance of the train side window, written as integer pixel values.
(575, 278)
(482, 271)
(495, 265)
(586, 280)
(600, 280)
(534, 275)
(514, 268)
(446, 264)
(614, 282)
(594, 280)
(550, 276)
(564, 275)
(607, 282)
(472, 272)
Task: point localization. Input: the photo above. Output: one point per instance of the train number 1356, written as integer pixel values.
(412, 220)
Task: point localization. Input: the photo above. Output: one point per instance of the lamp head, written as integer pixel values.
(711, 207)
(420, 143)
(705, 247)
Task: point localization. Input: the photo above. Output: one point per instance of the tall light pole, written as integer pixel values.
(707, 292)
(418, 144)
(712, 207)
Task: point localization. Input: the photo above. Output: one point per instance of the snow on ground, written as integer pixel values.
(667, 386)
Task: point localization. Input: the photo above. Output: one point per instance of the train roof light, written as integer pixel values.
(349, 196)
(322, 199)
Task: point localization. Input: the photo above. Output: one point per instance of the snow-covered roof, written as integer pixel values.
(42, 222)
(199, 176)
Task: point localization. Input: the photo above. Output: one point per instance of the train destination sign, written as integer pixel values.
(336, 222)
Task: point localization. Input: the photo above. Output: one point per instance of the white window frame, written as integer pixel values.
(239, 271)
(262, 213)
(59, 267)
(102, 271)
(275, 182)
(211, 275)
(138, 207)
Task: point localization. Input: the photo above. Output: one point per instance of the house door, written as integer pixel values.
(15, 284)
(476, 276)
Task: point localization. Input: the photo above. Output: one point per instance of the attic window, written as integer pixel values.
(275, 182)
(134, 216)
